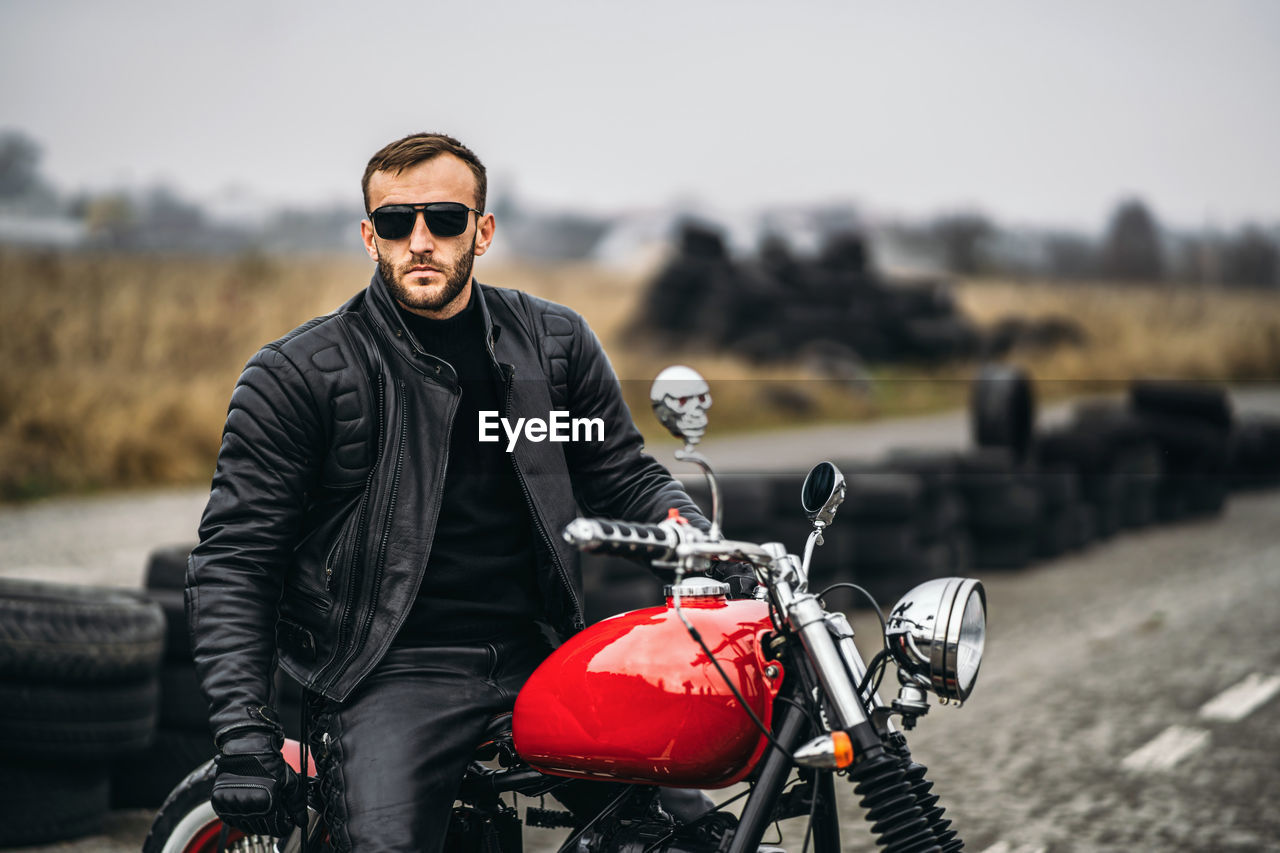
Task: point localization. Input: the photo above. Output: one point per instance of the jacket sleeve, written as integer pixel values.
(615, 478)
(247, 536)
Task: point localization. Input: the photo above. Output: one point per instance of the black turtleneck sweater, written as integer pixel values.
(480, 580)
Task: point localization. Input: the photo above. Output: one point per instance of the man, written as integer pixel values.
(358, 528)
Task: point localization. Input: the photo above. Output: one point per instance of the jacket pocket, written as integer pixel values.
(337, 561)
(296, 639)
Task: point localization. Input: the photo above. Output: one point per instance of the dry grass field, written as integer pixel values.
(118, 368)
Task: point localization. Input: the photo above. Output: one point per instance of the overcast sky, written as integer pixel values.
(1038, 113)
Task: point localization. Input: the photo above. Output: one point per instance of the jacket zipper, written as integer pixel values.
(380, 564)
(579, 621)
(329, 561)
(344, 628)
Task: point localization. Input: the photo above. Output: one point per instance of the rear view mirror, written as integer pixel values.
(822, 493)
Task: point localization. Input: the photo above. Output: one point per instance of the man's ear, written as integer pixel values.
(367, 235)
(485, 227)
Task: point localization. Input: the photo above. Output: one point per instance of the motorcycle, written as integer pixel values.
(703, 692)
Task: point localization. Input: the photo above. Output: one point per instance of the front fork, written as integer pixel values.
(891, 787)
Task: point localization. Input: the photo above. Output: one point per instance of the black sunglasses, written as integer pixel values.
(444, 219)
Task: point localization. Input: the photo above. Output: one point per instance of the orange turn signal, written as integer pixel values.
(843, 749)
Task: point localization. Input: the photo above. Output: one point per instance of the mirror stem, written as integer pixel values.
(815, 538)
(717, 508)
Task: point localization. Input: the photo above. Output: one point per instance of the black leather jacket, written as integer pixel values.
(329, 482)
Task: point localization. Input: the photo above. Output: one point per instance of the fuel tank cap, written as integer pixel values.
(698, 588)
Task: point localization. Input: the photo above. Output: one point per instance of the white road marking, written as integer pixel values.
(1236, 703)
(1005, 847)
(1169, 747)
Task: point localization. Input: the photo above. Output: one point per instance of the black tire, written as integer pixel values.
(187, 814)
(1208, 404)
(1254, 453)
(182, 705)
(86, 720)
(58, 632)
(1082, 447)
(167, 567)
(1086, 524)
(1058, 533)
(1058, 487)
(746, 501)
(941, 517)
(959, 552)
(43, 801)
(177, 639)
(881, 543)
(937, 469)
(144, 779)
(784, 500)
(881, 496)
(1172, 500)
(1189, 447)
(887, 582)
(1003, 506)
(1139, 467)
(983, 463)
(622, 594)
(1003, 409)
(1011, 552)
(1207, 496)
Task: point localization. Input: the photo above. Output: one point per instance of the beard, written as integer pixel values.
(421, 299)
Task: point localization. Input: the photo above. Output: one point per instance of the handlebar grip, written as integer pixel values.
(602, 536)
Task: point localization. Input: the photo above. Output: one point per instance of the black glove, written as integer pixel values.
(740, 577)
(254, 790)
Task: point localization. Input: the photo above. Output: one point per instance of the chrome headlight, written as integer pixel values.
(936, 633)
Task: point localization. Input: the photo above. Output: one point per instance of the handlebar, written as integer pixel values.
(623, 538)
(668, 541)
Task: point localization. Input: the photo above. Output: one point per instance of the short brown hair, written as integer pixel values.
(417, 148)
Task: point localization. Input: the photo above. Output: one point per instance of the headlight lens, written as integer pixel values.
(937, 632)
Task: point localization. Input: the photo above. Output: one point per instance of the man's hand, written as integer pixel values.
(740, 577)
(254, 790)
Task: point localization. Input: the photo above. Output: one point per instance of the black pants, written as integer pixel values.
(398, 747)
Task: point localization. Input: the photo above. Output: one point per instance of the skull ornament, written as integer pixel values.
(680, 398)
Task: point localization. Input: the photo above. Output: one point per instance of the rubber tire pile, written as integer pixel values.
(1170, 451)
(833, 312)
(79, 689)
(183, 742)
(100, 707)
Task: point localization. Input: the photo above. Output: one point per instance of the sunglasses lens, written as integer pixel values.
(447, 219)
(393, 222)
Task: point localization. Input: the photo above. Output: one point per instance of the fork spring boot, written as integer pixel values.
(897, 820)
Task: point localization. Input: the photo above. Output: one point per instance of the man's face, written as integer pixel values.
(426, 274)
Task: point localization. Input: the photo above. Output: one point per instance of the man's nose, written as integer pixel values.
(421, 240)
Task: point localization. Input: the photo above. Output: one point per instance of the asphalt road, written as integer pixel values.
(1088, 729)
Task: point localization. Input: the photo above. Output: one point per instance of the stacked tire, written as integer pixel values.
(78, 688)
(1253, 457)
(182, 739)
(1002, 508)
(941, 518)
(143, 778)
(1191, 425)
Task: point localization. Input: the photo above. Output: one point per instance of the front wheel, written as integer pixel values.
(186, 823)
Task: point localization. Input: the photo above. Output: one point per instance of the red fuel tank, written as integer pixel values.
(635, 698)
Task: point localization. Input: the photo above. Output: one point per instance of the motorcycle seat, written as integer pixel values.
(496, 739)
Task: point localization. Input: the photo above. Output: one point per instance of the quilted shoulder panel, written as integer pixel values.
(337, 373)
(557, 348)
(555, 329)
